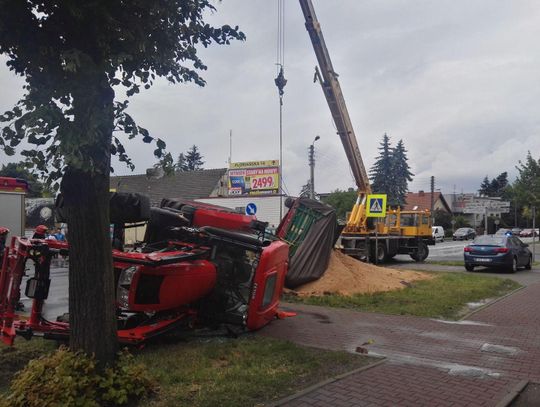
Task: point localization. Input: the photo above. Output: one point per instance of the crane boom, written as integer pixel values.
(328, 79)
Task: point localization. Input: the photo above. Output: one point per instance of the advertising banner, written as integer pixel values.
(254, 178)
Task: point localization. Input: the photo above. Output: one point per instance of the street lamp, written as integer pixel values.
(312, 168)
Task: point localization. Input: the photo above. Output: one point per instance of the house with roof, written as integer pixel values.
(208, 186)
(189, 185)
(418, 201)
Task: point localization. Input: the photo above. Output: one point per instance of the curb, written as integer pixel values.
(514, 392)
(323, 383)
(489, 304)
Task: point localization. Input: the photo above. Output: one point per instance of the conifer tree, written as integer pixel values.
(381, 172)
(401, 175)
(194, 160)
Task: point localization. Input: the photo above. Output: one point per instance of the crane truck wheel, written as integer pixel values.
(421, 253)
(379, 256)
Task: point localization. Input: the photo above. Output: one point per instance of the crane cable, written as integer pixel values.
(280, 57)
(280, 82)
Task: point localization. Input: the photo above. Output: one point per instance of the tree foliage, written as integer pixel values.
(402, 174)
(74, 56)
(391, 173)
(496, 187)
(193, 159)
(166, 163)
(442, 218)
(342, 202)
(181, 163)
(62, 47)
(527, 185)
(381, 172)
(20, 170)
(190, 161)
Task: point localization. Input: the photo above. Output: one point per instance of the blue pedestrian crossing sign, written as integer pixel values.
(376, 206)
(251, 209)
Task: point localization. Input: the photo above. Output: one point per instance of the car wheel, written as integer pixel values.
(514, 268)
(528, 266)
(469, 267)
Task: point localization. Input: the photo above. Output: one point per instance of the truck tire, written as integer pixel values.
(129, 208)
(421, 252)
(380, 255)
(124, 208)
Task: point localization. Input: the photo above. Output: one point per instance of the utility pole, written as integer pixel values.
(432, 199)
(312, 168)
(534, 231)
(230, 148)
(515, 213)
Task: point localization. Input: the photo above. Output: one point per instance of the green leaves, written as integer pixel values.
(65, 378)
(72, 53)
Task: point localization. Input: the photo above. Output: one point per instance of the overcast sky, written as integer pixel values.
(457, 80)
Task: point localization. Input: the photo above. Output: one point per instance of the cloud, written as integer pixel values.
(458, 81)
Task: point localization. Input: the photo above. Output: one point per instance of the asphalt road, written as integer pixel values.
(57, 303)
(450, 250)
(453, 251)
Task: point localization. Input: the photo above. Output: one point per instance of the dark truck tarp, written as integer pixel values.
(311, 229)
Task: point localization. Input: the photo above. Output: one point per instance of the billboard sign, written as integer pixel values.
(254, 178)
(490, 205)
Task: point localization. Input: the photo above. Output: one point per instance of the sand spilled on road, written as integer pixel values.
(346, 276)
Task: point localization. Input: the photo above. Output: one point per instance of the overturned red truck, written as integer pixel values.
(198, 264)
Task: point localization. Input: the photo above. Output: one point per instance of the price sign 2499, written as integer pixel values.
(263, 182)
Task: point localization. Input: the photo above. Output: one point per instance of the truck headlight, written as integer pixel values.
(124, 283)
(127, 275)
(122, 297)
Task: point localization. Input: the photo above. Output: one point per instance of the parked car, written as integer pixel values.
(438, 233)
(516, 231)
(503, 231)
(501, 251)
(528, 233)
(464, 234)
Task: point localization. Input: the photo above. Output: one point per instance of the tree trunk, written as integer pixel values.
(85, 187)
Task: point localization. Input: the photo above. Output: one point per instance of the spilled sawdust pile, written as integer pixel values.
(346, 276)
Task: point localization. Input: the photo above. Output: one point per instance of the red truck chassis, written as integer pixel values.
(200, 275)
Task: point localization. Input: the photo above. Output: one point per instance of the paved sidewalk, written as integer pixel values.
(476, 362)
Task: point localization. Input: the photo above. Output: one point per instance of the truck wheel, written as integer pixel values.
(421, 253)
(381, 255)
(129, 207)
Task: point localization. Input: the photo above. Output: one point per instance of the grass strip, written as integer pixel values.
(14, 358)
(218, 371)
(239, 372)
(445, 296)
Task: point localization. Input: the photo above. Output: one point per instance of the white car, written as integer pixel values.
(438, 233)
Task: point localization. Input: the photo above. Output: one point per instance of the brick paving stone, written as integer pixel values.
(429, 362)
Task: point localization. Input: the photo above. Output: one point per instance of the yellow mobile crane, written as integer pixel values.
(403, 232)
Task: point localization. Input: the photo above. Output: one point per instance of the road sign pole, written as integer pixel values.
(376, 245)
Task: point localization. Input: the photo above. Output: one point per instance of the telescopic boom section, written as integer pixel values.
(332, 91)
